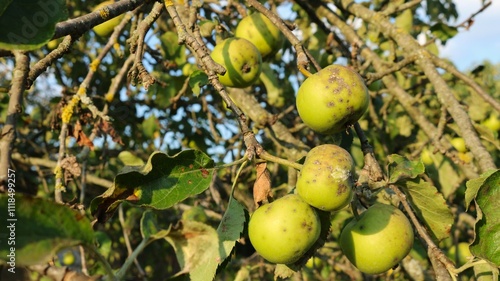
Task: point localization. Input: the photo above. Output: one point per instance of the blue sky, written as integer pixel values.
(481, 42)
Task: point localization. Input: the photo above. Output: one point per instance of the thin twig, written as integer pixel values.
(41, 66)
(51, 164)
(138, 71)
(126, 233)
(467, 80)
(372, 77)
(467, 23)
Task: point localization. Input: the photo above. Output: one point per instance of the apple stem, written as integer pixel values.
(304, 71)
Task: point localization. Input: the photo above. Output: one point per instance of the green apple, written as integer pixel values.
(459, 144)
(332, 99)
(378, 240)
(326, 178)
(241, 59)
(426, 157)
(314, 263)
(259, 30)
(492, 123)
(68, 258)
(106, 28)
(463, 254)
(54, 43)
(282, 231)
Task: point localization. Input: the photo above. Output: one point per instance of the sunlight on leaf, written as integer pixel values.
(429, 206)
(487, 227)
(473, 186)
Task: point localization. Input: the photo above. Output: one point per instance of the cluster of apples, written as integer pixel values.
(284, 230)
(255, 38)
(328, 102)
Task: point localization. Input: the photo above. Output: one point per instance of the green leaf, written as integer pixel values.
(197, 249)
(230, 227)
(487, 229)
(429, 206)
(447, 174)
(39, 228)
(197, 79)
(405, 20)
(148, 224)
(129, 159)
(400, 168)
(28, 24)
(473, 186)
(443, 31)
(103, 243)
(200, 249)
(161, 183)
(173, 50)
(162, 93)
(150, 126)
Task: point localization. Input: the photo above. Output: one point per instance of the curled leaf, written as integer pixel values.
(262, 185)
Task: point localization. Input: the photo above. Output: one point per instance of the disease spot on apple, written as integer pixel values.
(106, 28)
(259, 30)
(378, 240)
(326, 178)
(241, 59)
(282, 231)
(332, 99)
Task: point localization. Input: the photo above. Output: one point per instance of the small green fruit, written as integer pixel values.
(242, 62)
(332, 99)
(459, 144)
(426, 157)
(378, 240)
(492, 123)
(106, 28)
(282, 231)
(463, 254)
(326, 178)
(259, 30)
(68, 258)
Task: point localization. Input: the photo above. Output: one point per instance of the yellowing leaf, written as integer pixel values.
(430, 207)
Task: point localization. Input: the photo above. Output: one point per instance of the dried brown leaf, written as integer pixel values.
(262, 185)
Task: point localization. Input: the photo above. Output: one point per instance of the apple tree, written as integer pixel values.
(245, 140)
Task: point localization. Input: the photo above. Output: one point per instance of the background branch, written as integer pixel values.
(14, 109)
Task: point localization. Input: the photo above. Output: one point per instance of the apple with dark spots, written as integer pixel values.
(332, 99)
(378, 240)
(282, 231)
(241, 59)
(326, 178)
(259, 30)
